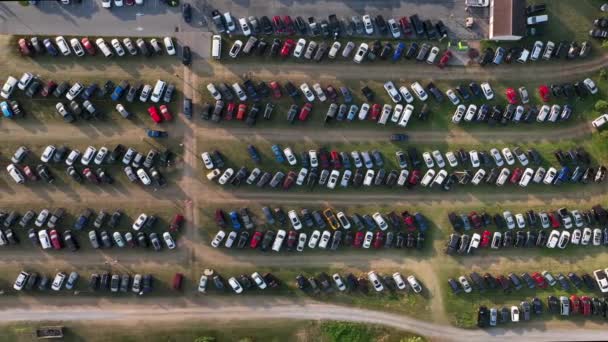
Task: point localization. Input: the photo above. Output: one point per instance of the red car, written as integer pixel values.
(554, 221)
(288, 23)
(230, 111)
(176, 223)
(544, 92)
(405, 26)
(255, 240)
(540, 280)
(48, 88)
(575, 303)
(166, 113)
(178, 278)
(516, 175)
(278, 24)
(586, 306)
(29, 173)
(414, 178)
(154, 114)
(55, 239)
(24, 48)
(287, 46)
(486, 237)
(375, 112)
(289, 180)
(90, 175)
(335, 160)
(445, 59)
(276, 89)
(475, 220)
(291, 239)
(305, 111)
(511, 95)
(240, 115)
(408, 220)
(88, 46)
(220, 218)
(379, 239)
(359, 239)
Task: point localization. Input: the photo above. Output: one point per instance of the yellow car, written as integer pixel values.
(330, 217)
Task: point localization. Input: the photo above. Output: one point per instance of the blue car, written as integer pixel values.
(398, 51)
(234, 218)
(157, 134)
(352, 112)
(348, 97)
(253, 153)
(50, 48)
(278, 154)
(421, 222)
(90, 91)
(117, 93)
(6, 110)
(562, 176)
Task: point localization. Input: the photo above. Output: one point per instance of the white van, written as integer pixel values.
(159, 89)
(600, 121)
(278, 241)
(15, 174)
(537, 19)
(523, 57)
(45, 241)
(216, 46)
(101, 44)
(405, 117)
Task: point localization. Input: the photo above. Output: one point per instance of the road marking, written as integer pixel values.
(139, 28)
(138, 14)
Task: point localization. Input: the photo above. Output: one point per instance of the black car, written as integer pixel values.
(483, 316)
(275, 47)
(381, 24)
(412, 51)
(387, 51)
(186, 55)
(431, 31)
(187, 12)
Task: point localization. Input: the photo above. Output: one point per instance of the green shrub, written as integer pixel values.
(601, 106)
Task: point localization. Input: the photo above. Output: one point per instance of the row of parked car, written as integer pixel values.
(238, 284)
(530, 219)
(139, 284)
(537, 52)
(322, 240)
(324, 283)
(147, 167)
(563, 306)
(542, 280)
(331, 27)
(80, 47)
(243, 219)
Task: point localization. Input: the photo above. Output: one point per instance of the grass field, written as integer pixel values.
(440, 116)
(271, 330)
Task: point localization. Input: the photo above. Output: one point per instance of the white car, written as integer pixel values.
(58, 281)
(207, 161)
(48, 153)
(169, 240)
(291, 158)
(335, 48)
(394, 28)
(590, 85)
(8, 87)
(497, 157)
(392, 91)
(297, 52)
(544, 220)
(428, 160)
(601, 277)
(367, 24)
(259, 280)
(487, 91)
(319, 92)
(314, 238)
(63, 46)
(419, 91)
(245, 26)
(474, 157)
(466, 287)
(406, 94)
(301, 242)
(169, 47)
(526, 177)
(367, 240)
(506, 152)
(576, 237)
(550, 176)
(333, 179)
(324, 241)
(474, 244)
(312, 156)
(539, 175)
(235, 49)
(294, 219)
(397, 113)
(375, 280)
(459, 113)
(432, 55)
(77, 47)
(553, 239)
(597, 237)
(380, 221)
(369, 177)
(428, 177)
(230, 239)
(143, 177)
(564, 238)
(587, 235)
(509, 219)
(41, 218)
(338, 281)
(21, 280)
(520, 220)
(514, 314)
(226, 176)
(478, 177)
(74, 91)
(117, 47)
(219, 237)
(348, 49)
(439, 178)
(470, 114)
(235, 285)
(346, 178)
(24, 81)
(452, 97)
(88, 155)
(451, 157)
(578, 218)
(301, 176)
(503, 176)
(542, 114)
(310, 96)
(214, 92)
(414, 284)
(399, 281)
(361, 53)
(407, 114)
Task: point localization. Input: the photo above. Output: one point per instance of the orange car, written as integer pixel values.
(330, 217)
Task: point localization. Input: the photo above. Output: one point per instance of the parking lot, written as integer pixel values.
(189, 192)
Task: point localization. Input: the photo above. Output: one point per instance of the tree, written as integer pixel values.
(601, 106)
(603, 74)
(205, 339)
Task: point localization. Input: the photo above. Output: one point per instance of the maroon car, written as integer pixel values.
(289, 180)
(291, 239)
(408, 220)
(90, 175)
(220, 218)
(48, 88)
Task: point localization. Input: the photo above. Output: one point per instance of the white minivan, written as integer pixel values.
(159, 89)
(216, 47)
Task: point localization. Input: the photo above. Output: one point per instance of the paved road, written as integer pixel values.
(259, 309)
